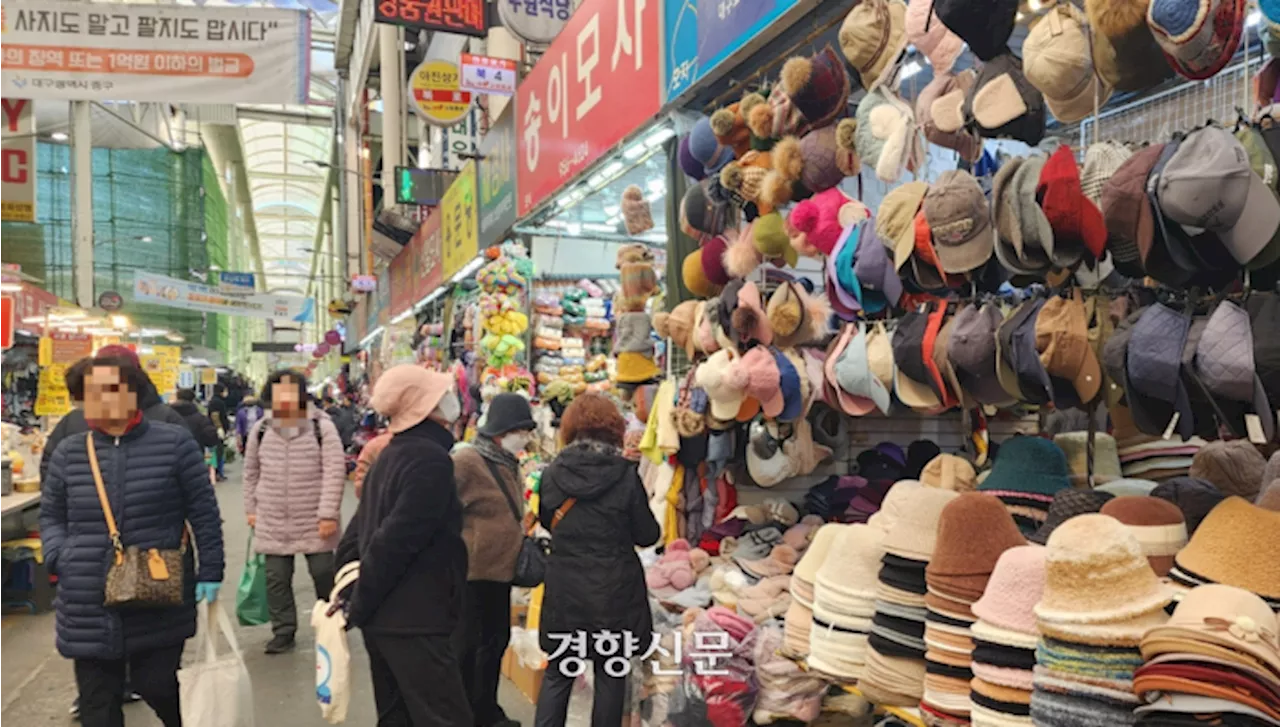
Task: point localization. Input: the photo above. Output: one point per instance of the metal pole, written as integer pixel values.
(342, 133)
(82, 201)
(392, 86)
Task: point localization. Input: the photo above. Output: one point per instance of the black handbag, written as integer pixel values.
(531, 563)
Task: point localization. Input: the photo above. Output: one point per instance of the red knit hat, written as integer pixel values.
(1075, 219)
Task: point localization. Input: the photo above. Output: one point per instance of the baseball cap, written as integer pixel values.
(1033, 379)
(1198, 37)
(879, 281)
(959, 221)
(1209, 183)
(1005, 374)
(895, 221)
(1062, 338)
(929, 355)
(1077, 224)
(1036, 253)
(910, 376)
(1101, 160)
(984, 24)
(859, 390)
(1225, 364)
(1153, 385)
(1158, 257)
(942, 361)
(872, 35)
(1263, 161)
(1264, 314)
(1057, 60)
(1003, 102)
(1127, 212)
(1004, 211)
(973, 356)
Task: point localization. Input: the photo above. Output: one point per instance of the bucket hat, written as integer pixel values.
(1235, 467)
(960, 221)
(1198, 37)
(1027, 473)
(1157, 525)
(1224, 550)
(1067, 504)
(1013, 590)
(1227, 616)
(407, 394)
(949, 472)
(855, 572)
(507, 412)
(1057, 59)
(974, 529)
(816, 554)
(1097, 573)
(1153, 383)
(916, 532)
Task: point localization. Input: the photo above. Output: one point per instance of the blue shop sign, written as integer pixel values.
(703, 33)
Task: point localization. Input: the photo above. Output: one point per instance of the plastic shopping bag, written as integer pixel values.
(333, 659)
(251, 597)
(215, 690)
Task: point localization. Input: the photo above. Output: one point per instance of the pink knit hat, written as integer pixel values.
(762, 377)
(1015, 587)
(931, 37)
(407, 394)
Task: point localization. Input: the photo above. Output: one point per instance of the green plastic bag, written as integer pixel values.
(251, 597)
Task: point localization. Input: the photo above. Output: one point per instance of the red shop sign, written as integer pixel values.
(468, 17)
(597, 83)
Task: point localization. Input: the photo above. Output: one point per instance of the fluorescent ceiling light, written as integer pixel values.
(634, 152)
(11, 287)
(59, 136)
(612, 168)
(597, 227)
(909, 70)
(1253, 19)
(611, 210)
(655, 196)
(573, 229)
(659, 136)
(558, 224)
(402, 316)
(656, 185)
(595, 180)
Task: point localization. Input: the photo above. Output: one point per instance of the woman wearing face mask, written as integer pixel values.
(407, 535)
(488, 476)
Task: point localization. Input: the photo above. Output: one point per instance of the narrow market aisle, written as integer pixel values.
(38, 684)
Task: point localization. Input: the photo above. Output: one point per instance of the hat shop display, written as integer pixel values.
(955, 405)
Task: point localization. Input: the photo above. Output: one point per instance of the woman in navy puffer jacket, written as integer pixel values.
(156, 481)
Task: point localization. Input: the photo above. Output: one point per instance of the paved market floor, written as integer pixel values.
(37, 684)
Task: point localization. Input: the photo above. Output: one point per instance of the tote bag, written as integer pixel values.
(251, 596)
(333, 659)
(215, 690)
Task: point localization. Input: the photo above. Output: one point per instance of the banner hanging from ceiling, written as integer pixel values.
(598, 82)
(459, 241)
(702, 34)
(56, 49)
(174, 293)
(18, 194)
(496, 178)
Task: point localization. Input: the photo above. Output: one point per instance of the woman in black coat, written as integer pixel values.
(593, 502)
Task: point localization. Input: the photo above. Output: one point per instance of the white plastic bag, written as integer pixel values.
(333, 659)
(215, 690)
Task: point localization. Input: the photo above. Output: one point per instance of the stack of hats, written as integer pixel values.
(1226, 549)
(895, 671)
(1066, 505)
(1028, 472)
(1151, 457)
(973, 531)
(799, 618)
(1106, 458)
(1100, 597)
(1004, 639)
(1217, 661)
(844, 603)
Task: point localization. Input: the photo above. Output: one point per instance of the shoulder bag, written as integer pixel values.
(136, 578)
(531, 563)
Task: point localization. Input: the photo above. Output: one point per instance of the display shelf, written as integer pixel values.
(18, 501)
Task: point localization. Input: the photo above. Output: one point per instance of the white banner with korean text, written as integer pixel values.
(55, 49)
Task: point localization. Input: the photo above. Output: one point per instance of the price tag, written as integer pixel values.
(1173, 424)
(1253, 425)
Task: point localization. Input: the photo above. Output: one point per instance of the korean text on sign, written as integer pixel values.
(467, 17)
(597, 83)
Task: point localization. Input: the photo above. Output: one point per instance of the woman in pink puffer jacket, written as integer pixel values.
(294, 474)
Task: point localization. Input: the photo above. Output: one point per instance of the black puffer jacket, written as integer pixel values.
(156, 480)
(594, 577)
(407, 535)
(200, 426)
(152, 406)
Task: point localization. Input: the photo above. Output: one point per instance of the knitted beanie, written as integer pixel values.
(1235, 467)
(635, 211)
(691, 166)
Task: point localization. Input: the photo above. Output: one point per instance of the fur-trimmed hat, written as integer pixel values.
(746, 177)
(810, 160)
(818, 87)
(817, 222)
(731, 130)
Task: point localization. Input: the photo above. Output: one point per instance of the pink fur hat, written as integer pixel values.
(760, 370)
(817, 222)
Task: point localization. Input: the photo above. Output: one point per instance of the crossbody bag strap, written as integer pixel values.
(561, 511)
(506, 494)
(112, 530)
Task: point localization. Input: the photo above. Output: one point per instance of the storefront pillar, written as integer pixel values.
(82, 203)
(391, 76)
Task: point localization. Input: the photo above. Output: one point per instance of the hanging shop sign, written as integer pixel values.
(597, 83)
(31, 303)
(496, 178)
(465, 17)
(52, 397)
(363, 283)
(486, 74)
(174, 293)
(459, 236)
(229, 282)
(380, 303)
(57, 49)
(436, 94)
(18, 195)
(7, 326)
(162, 365)
(67, 348)
(430, 264)
(703, 34)
(534, 21)
(458, 142)
(401, 271)
(186, 377)
(208, 376)
(422, 187)
(110, 301)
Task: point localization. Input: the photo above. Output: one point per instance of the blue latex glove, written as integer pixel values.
(207, 592)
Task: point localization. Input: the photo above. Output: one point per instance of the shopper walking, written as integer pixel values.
(293, 478)
(153, 480)
(247, 415)
(74, 423)
(200, 426)
(407, 535)
(342, 418)
(489, 485)
(220, 412)
(595, 506)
